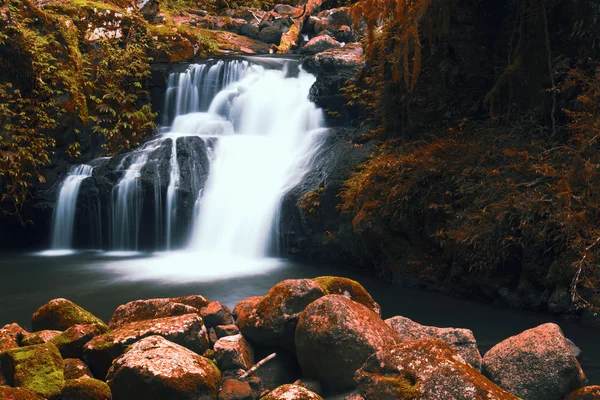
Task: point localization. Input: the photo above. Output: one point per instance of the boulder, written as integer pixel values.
(319, 44)
(215, 314)
(17, 393)
(70, 342)
(156, 369)
(39, 337)
(14, 330)
(270, 34)
(86, 389)
(281, 370)
(233, 389)
(335, 336)
(291, 392)
(273, 319)
(148, 8)
(7, 341)
(226, 330)
(461, 340)
(186, 330)
(61, 314)
(537, 364)
(74, 368)
(38, 368)
(286, 10)
(244, 307)
(427, 369)
(141, 310)
(585, 393)
(349, 288)
(233, 352)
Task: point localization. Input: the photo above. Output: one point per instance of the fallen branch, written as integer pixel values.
(257, 366)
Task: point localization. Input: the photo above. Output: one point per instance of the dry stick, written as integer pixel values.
(257, 366)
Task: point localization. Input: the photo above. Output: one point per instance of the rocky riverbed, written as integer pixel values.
(320, 338)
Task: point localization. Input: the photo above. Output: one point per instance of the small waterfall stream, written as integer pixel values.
(238, 135)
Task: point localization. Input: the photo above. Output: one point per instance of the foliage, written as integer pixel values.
(310, 203)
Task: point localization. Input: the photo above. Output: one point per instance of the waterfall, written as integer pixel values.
(63, 218)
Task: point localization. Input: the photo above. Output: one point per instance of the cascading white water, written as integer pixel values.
(63, 218)
(172, 194)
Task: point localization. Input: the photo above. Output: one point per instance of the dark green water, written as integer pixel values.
(100, 283)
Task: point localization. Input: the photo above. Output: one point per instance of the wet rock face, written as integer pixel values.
(460, 340)
(61, 314)
(155, 368)
(537, 364)
(425, 369)
(335, 336)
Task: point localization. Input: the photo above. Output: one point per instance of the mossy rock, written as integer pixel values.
(19, 393)
(349, 288)
(61, 314)
(70, 342)
(75, 369)
(38, 368)
(291, 392)
(86, 389)
(39, 337)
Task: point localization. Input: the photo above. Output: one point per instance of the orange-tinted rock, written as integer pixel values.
(18, 393)
(75, 369)
(319, 44)
(215, 314)
(273, 320)
(86, 389)
(14, 330)
(7, 341)
(291, 392)
(233, 389)
(537, 364)
(39, 337)
(156, 369)
(233, 352)
(585, 393)
(244, 307)
(349, 288)
(425, 369)
(335, 336)
(195, 301)
(70, 342)
(281, 370)
(186, 330)
(61, 314)
(461, 340)
(226, 330)
(141, 310)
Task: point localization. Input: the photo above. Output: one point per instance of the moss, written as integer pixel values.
(61, 314)
(348, 287)
(86, 389)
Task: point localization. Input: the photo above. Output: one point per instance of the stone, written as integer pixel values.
(38, 368)
(14, 330)
(215, 314)
(585, 393)
(7, 341)
(335, 336)
(311, 384)
(281, 370)
(270, 34)
(39, 337)
(244, 307)
(86, 389)
(186, 330)
(273, 320)
(212, 337)
(291, 392)
(226, 330)
(17, 393)
(234, 352)
(349, 288)
(70, 342)
(233, 389)
(141, 310)
(156, 369)
(148, 8)
(427, 369)
(537, 364)
(74, 368)
(461, 340)
(61, 314)
(319, 44)
(285, 10)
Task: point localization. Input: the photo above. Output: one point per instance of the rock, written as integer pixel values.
(38, 368)
(75, 369)
(286, 10)
(39, 337)
(536, 364)
(244, 307)
(319, 44)
(461, 340)
(61, 314)
(270, 34)
(226, 330)
(560, 301)
(311, 384)
(281, 370)
(18, 393)
(70, 342)
(215, 314)
(141, 310)
(7, 341)
(234, 352)
(233, 389)
(334, 337)
(585, 393)
(338, 22)
(156, 369)
(186, 330)
(86, 389)
(273, 320)
(212, 337)
(425, 369)
(349, 288)
(14, 330)
(148, 8)
(291, 392)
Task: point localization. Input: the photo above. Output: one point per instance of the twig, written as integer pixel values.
(257, 366)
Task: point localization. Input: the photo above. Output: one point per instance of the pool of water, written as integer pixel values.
(100, 282)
